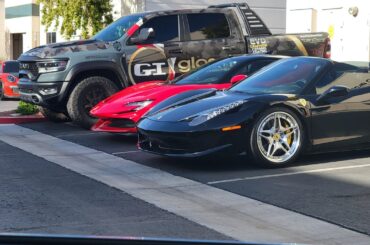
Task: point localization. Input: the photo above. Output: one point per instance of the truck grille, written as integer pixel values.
(28, 67)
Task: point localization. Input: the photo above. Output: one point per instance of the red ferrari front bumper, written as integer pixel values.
(115, 125)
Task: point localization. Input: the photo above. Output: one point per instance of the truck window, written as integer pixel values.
(208, 26)
(166, 29)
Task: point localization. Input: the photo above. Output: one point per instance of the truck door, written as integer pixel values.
(210, 35)
(155, 58)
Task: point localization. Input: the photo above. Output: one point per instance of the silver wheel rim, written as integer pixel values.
(278, 137)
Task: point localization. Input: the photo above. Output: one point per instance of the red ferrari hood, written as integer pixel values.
(156, 92)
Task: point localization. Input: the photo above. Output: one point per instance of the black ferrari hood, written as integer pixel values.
(62, 49)
(193, 107)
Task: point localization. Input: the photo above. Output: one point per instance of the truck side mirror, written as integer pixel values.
(144, 34)
(333, 92)
(237, 78)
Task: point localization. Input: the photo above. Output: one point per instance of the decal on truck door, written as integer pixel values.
(149, 62)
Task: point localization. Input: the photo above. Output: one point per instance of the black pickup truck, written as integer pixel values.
(68, 79)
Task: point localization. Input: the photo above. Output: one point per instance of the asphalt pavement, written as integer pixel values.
(332, 188)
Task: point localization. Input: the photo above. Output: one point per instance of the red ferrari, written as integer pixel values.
(9, 79)
(120, 112)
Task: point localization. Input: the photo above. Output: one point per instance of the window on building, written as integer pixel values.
(208, 26)
(51, 37)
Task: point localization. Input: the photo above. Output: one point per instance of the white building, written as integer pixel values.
(2, 30)
(346, 21)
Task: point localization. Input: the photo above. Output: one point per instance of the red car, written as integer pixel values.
(9, 79)
(120, 112)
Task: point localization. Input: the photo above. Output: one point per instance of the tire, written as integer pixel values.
(53, 116)
(276, 149)
(2, 96)
(85, 96)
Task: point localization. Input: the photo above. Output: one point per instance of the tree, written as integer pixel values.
(89, 16)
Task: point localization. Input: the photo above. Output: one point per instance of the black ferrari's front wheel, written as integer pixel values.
(277, 137)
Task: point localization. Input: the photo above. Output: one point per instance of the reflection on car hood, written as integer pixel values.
(190, 108)
(156, 91)
(193, 106)
(59, 49)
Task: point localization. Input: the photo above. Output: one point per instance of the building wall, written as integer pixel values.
(21, 17)
(2, 31)
(350, 35)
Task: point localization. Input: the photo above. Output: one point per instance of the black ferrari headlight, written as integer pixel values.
(52, 66)
(210, 114)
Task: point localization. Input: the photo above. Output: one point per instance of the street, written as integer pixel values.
(58, 178)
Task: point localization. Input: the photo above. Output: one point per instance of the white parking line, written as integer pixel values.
(79, 134)
(124, 152)
(236, 216)
(288, 174)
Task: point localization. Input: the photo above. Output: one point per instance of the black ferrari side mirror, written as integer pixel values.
(333, 92)
(144, 35)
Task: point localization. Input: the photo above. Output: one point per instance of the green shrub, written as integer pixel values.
(25, 108)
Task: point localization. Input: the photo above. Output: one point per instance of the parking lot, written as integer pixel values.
(332, 187)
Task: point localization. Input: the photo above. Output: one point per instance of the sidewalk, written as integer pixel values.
(8, 105)
(8, 114)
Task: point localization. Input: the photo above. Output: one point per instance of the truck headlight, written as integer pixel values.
(52, 66)
(138, 105)
(208, 115)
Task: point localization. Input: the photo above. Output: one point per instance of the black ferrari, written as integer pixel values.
(295, 105)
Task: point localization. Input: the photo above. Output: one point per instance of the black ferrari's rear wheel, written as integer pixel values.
(277, 137)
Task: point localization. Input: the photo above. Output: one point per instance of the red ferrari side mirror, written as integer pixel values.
(238, 78)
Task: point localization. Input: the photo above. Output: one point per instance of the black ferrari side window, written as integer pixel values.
(340, 74)
(325, 82)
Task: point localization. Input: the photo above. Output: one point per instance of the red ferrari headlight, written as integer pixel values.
(11, 78)
(138, 105)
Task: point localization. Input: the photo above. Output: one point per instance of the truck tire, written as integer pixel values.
(53, 116)
(85, 96)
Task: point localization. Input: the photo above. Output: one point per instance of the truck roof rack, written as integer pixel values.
(252, 21)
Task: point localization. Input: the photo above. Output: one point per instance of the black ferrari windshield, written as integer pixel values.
(288, 76)
(118, 28)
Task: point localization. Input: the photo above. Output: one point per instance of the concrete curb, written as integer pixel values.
(10, 117)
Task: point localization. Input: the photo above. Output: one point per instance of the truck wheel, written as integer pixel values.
(53, 116)
(85, 96)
